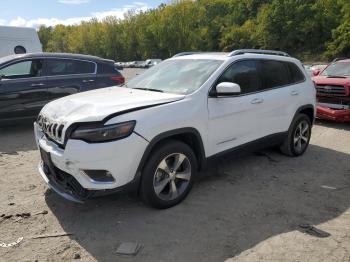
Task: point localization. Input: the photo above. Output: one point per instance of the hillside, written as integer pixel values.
(311, 30)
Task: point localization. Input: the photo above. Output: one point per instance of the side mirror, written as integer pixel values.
(316, 72)
(227, 89)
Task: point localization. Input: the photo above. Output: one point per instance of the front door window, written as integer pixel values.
(23, 69)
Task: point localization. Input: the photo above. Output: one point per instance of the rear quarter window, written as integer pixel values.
(296, 75)
(108, 68)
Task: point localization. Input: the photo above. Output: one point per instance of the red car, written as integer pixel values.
(333, 91)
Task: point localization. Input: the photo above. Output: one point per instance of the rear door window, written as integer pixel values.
(59, 67)
(275, 73)
(245, 74)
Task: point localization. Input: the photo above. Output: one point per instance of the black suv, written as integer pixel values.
(29, 81)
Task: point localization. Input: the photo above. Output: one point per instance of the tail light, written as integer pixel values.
(118, 79)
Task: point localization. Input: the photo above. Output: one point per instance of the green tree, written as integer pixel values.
(45, 34)
(339, 46)
(305, 28)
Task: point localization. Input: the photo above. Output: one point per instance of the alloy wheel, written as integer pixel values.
(301, 136)
(172, 176)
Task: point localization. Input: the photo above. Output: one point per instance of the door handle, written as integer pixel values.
(88, 81)
(257, 101)
(294, 93)
(37, 85)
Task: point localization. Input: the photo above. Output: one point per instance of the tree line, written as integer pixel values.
(307, 29)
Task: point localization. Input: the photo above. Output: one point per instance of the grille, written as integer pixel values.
(51, 129)
(330, 90)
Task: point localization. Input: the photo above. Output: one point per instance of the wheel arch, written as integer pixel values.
(188, 135)
(308, 110)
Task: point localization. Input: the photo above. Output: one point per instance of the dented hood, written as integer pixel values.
(99, 104)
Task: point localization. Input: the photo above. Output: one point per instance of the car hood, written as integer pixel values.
(98, 105)
(324, 80)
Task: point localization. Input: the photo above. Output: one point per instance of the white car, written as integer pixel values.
(158, 131)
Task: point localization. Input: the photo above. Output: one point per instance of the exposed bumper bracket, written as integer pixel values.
(56, 187)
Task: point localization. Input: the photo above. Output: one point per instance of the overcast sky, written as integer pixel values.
(32, 13)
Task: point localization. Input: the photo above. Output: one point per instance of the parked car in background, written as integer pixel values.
(154, 134)
(140, 64)
(18, 40)
(127, 64)
(152, 62)
(136, 64)
(333, 91)
(29, 81)
(119, 66)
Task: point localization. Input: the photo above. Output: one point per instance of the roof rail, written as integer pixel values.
(339, 59)
(187, 53)
(258, 51)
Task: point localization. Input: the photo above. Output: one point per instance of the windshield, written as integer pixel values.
(179, 76)
(337, 70)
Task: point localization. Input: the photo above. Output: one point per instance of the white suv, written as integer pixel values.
(156, 132)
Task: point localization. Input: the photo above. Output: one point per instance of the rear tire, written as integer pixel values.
(299, 134)
(168, 175)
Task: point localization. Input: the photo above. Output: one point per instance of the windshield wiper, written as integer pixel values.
(150, 89)
(336, 76)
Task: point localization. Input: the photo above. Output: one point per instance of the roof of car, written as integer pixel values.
(56, 55)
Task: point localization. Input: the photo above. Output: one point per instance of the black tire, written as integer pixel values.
(289, 147)
(154, 177)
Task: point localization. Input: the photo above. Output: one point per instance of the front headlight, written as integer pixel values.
(93, 134)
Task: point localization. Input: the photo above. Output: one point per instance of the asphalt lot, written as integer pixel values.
(241, 209)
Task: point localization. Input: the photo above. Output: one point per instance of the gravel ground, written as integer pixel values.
(241, 209)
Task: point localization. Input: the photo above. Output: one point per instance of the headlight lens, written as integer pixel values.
(93, 134)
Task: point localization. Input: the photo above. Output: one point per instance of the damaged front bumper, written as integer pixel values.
(338, 115)
(68, 171)
(61, 182)
(59, 189)
(69, 188)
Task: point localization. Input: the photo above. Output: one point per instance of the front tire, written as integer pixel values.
(168, 175)
(299, 134)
